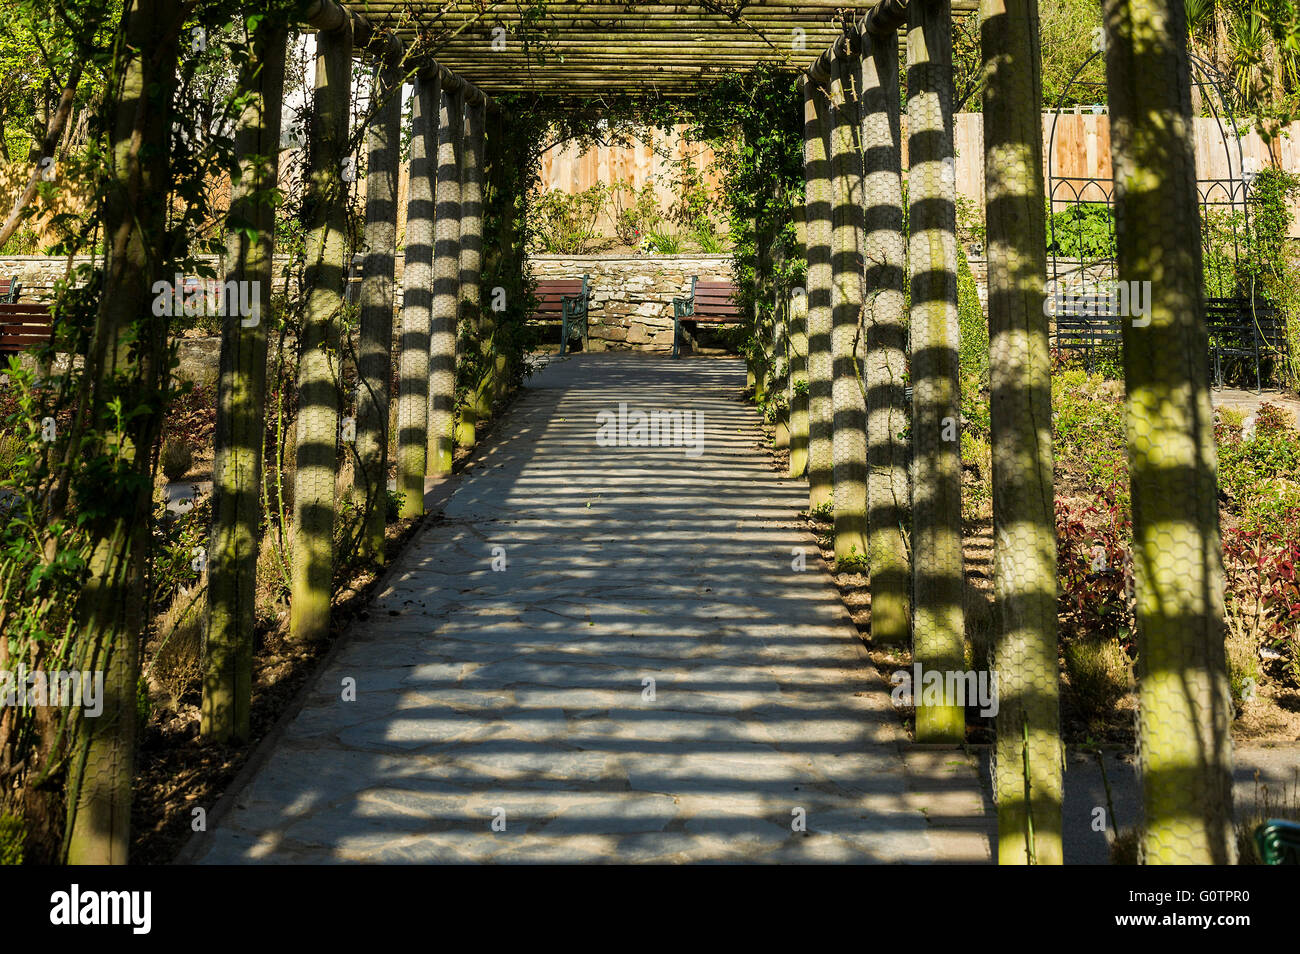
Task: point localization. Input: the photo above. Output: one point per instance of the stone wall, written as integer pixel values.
(632, 298)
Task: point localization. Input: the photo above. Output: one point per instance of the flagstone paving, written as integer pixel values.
(643, 676)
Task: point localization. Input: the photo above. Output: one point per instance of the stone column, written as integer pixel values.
(374, 363)
(886, 345)
(818, 218)
(417, 299)
(446, 287)
(326, 217)
(937, 558)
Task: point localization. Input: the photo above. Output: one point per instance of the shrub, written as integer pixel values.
(973, 348)
(664, 243)
(1262, 599)
(566, 223)
(11, 449)
(636, 213)
(1099, 674)
(1085, 230)
(1261, 476)
(708, 241)
(1096, 571)
(12, 838)
(176, 459)
(693, 199)
(1088, 425)
(177, 663)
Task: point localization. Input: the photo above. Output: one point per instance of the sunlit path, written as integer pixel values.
(647, 679)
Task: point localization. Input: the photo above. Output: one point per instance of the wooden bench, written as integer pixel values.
(9, 289)
(708, 302)
(24, 326)
(1236, 330)
(568, 300)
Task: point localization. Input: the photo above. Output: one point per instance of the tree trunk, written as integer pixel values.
(241, 397)
(417, 299)
(325, 215)
(886, 347)
(128, 340)
(849, 434)
(819, 321)
(1028, 756)
(936, 408)
(375, 361)
(1184, 745)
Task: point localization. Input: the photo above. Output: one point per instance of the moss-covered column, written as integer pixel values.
(126, 359)
(780, 379)
(797, 318)
(936, 405)
(326, 218)
(417, 298)
(241, 396)
(478, 403)
(446, 287)
(849, 409)
(375, 361)
(1029, 758)
(1184, 745)
(817, 172)
(886, 345)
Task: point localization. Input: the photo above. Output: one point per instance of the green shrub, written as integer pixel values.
(708, 241)
(665, 243)
(1261, 476)
(973, 353)
(637, 213)
(1085, 230)
(12, 837)
(1099, 675)
(1089, 427)
(11, 449)
(566, 223)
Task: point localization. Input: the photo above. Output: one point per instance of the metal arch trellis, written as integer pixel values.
(1082, 252)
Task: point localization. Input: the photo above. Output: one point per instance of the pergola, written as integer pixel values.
(635, 46)
(896, 498)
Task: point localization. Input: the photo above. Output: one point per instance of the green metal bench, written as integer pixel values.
(1278, 842)
(567, 299)
(1241, 329)
(711, 302)
(9, 289)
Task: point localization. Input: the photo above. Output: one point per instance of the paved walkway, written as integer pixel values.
(647, 679)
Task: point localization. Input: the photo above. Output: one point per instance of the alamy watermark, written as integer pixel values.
(193, 298)
(1112, 299)
(934, 687)
(25, 689)
(657, 428)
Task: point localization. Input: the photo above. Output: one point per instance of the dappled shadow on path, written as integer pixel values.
(645, 675)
